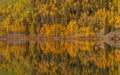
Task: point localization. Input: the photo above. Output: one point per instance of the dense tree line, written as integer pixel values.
(59, 17)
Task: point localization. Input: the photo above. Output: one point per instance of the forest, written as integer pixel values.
(59, 17)
(43, 22)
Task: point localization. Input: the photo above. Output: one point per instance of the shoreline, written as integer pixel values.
(57, 38)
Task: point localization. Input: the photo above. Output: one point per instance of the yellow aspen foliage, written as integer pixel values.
(72, 28)
(65, 17)
(89, 31)
(117, 22)
(118, 6)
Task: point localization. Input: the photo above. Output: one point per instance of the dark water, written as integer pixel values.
(59, 58)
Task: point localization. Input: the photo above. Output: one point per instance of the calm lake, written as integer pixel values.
(59, 58)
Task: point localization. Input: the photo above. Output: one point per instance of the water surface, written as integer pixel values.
(59, 58)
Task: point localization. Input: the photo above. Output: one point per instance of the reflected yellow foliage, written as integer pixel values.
(77, 57)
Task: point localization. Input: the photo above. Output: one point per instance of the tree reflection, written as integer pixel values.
(59, 58)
